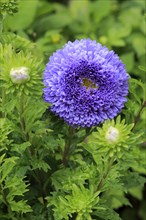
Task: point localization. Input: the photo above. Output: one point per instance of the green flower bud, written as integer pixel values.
(19, 74)
(8, 6)
(113, 138)
(22, 72)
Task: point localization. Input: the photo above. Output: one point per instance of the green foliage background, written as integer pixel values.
(39, 179)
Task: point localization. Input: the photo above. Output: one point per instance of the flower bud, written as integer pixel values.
(8, 6)
(19, 75)
(112, 135)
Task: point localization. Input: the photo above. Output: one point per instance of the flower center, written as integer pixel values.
(88, 84)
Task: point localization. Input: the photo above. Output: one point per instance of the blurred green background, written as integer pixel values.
(117, 24)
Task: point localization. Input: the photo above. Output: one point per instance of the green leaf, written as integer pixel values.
(143, 68)
(79, 10)
(128, 15)
(80, 200)
(128, 60)
(32, 115)
(136, 192)
(39, 164)
(108, 214)
(53, 21)
(133, 179)
(65, 178)
(7, 167)
(16, 186)
(6, 129)
(138, 42)
(2, 158)
(133, 84)
(117, 33)
(100, 9)
(20, 206)
(20, 148)
(23, 19)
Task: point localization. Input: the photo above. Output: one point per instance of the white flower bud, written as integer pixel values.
(112, 135)
(19, 74)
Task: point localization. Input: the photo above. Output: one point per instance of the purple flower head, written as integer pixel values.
(85, 83)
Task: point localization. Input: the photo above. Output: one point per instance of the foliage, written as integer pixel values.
(49, 170)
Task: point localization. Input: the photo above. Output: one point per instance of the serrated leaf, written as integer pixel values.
(133, 179)
(20, 148)
(20, 206)
(2, 158)
(7, 167)
(134, 82)
(40, 164)
(136, 192)
(143, 68)
(109, 214)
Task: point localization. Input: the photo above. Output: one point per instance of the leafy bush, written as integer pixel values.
(50, 170)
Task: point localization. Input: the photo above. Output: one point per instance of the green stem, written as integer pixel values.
(22, 119)
(109, 166)
(1, 25)
(31, 151)
(2, 17)
(137, 118)
(23, 124)
(38, 177)
(67, 147)
(3, 103)
(6, 202)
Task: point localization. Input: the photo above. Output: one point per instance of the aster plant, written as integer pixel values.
(86, 85)
(72, 145)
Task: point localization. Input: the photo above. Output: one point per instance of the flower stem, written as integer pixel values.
(22, 119)
(1, 25)
(23, 124)
(4, 199)
(31, 151)
(109, 166)
(67, 147)
(2, 17)
(137, 118)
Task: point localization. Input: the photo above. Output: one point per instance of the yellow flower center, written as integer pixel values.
(88, 84)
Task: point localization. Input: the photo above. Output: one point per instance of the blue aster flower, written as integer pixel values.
(85, 83)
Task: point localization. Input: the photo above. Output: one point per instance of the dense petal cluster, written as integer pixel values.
(85, 83)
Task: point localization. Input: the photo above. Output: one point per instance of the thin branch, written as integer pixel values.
(137, 118)
(67, 147)
(110, 163)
